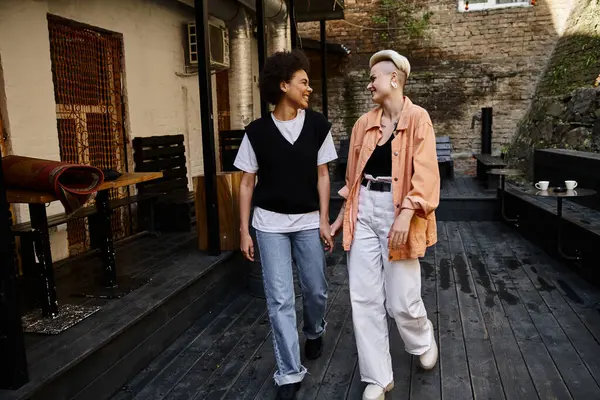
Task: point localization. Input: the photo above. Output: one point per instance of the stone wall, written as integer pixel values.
(461, 61)
(565, 112)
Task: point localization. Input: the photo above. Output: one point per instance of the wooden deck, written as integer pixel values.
(511, 323)
(465, 186)
(93, 358)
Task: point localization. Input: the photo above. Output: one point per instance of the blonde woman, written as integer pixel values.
(392, 189)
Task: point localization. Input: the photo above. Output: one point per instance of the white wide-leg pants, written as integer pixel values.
(377, 285)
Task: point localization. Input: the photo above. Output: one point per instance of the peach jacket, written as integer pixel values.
(415, 175)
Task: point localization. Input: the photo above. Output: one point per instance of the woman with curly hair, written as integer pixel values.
(392, 189)
(288, 150)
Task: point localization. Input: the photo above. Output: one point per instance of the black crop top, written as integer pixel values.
(380, 162)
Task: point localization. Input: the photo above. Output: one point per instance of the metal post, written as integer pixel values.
(293, 27)
(262, 47)
(207, 120)
(324, 68)
(45, 269)
(107, 246)
(13, 362)
(486, 130)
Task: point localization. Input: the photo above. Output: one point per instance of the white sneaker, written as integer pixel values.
(376, 392)
(430, 357)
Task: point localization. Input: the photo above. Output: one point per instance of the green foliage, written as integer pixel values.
(400, 17)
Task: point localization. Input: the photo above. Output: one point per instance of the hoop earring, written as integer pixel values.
(394, 85)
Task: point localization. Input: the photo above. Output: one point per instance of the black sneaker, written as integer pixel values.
(313, 348)
(288, 392)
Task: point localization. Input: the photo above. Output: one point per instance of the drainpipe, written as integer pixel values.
(278, 32)
(241, 29)
(240, 71)
(486, 130)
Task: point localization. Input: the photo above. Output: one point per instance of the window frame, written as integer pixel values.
(490, 5)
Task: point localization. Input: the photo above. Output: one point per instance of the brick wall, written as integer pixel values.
(461, 62)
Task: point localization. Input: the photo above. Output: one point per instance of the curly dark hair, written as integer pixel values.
(279, 67)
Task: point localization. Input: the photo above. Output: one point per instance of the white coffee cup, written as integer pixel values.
(570, 185)
(542, 185)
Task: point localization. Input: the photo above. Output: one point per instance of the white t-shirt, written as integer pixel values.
(269, 221)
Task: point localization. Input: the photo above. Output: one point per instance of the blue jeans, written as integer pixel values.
(277, 250)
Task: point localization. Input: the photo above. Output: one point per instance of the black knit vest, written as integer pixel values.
(287, 173)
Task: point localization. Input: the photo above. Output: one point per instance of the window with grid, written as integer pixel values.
(477, 5)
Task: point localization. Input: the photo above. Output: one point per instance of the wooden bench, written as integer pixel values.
(342, 161)
(229, 144)
(486, 162)
(174, 209)
(55, 220)
(443, 148)
(36, 250)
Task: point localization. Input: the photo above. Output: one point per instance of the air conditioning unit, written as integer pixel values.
(218, 38)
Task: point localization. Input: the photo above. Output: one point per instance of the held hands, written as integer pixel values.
(247, 246)
(399, 232)
(336, 227)
(326, 237)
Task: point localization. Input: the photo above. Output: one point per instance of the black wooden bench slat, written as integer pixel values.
(175, 210)
(232, 135)
(344, 149)
(174, 174)
(229, 144)
(164, 186)
(443, 149)
(159, 152)
(140, 142)
(573, 153)
(489, 160)
(116, 203)
(160, 165)
(63, 218)
(178, 197)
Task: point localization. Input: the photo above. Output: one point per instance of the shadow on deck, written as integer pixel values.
(511, 323)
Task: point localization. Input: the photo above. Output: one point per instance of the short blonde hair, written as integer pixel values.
(398, 60)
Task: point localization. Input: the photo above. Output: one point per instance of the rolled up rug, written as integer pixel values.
(72, 184)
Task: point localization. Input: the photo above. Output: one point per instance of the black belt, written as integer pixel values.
(377, 186)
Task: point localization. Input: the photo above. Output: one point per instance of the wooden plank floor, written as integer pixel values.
(168, 263)
(140, 258)
(511, 323)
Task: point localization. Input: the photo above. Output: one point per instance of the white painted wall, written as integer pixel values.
(158, 101)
